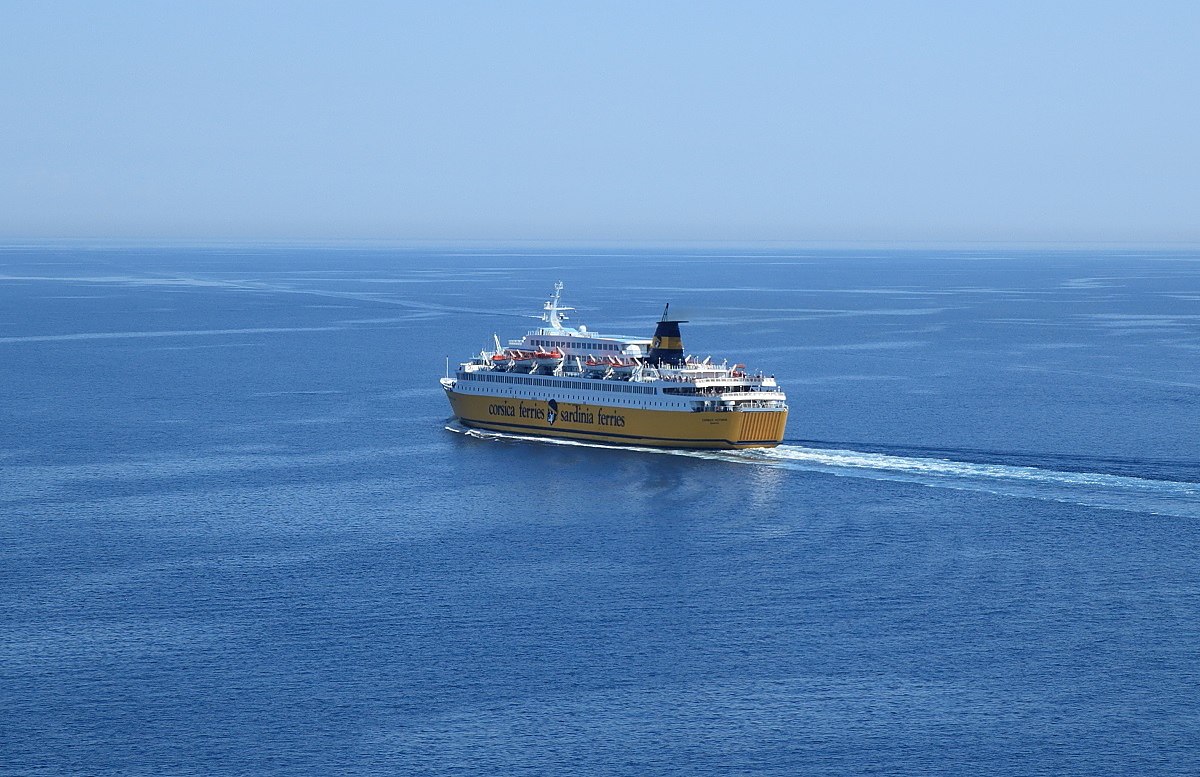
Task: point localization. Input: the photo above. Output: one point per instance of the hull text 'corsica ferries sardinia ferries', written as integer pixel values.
(564, 382)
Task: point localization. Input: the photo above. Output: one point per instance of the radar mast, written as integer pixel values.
(553, 315)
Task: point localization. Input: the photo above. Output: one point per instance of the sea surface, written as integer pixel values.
(241, 535)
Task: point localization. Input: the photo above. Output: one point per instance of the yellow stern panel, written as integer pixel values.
(621, 425)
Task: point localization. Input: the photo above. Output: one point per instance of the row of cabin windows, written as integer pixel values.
(565, 343)
(635, 402)
(692, 391)
(597, 385)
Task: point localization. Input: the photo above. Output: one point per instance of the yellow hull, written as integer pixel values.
(621, 425)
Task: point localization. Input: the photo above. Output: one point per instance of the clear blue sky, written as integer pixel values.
(628, 121)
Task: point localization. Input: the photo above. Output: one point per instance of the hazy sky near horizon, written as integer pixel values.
(627, 121)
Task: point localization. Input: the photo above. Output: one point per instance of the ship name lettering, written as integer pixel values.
(609, 419)
(578, 416)
(529, 411)
(501, 410)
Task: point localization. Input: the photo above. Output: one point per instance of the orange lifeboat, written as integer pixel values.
(552, 359)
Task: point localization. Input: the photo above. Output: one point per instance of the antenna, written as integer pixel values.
(553, 315)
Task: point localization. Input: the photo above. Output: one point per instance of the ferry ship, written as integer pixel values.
(560, 381)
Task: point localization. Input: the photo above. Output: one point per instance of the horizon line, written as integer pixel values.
(9, 243)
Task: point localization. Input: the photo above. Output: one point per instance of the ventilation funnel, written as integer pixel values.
(667, 346)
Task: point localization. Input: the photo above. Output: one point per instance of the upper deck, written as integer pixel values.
(558, 357)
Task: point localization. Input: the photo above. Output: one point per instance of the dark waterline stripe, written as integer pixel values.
(544, 429)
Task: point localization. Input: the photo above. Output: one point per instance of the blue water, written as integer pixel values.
(240, 534)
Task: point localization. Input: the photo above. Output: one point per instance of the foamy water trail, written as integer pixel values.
(1096, 489)
(1092, 489)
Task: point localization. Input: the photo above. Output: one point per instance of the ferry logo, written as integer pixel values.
(553, 416)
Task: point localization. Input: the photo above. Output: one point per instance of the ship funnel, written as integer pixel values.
(667, 347)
